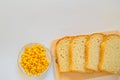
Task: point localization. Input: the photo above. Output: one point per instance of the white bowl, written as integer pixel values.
(33, 77)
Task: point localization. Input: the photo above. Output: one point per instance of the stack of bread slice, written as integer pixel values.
(86, 53)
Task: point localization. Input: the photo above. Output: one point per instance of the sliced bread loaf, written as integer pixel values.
(110, 55)
(62, 53)
(93, 51)
(77, 53)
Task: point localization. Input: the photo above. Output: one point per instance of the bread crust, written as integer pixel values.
(102, 53)
(87, 50)
(70, 50)
(56, 52)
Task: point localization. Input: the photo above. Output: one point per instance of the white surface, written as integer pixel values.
(25, 21)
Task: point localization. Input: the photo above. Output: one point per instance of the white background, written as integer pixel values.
(25, 21)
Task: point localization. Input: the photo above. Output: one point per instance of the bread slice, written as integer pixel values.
(110, 55)
(77, 53)
(93, 51)
(62, 53)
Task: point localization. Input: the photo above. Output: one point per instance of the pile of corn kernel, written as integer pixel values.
(33, 59)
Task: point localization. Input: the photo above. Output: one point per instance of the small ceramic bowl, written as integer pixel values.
(33, 77)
